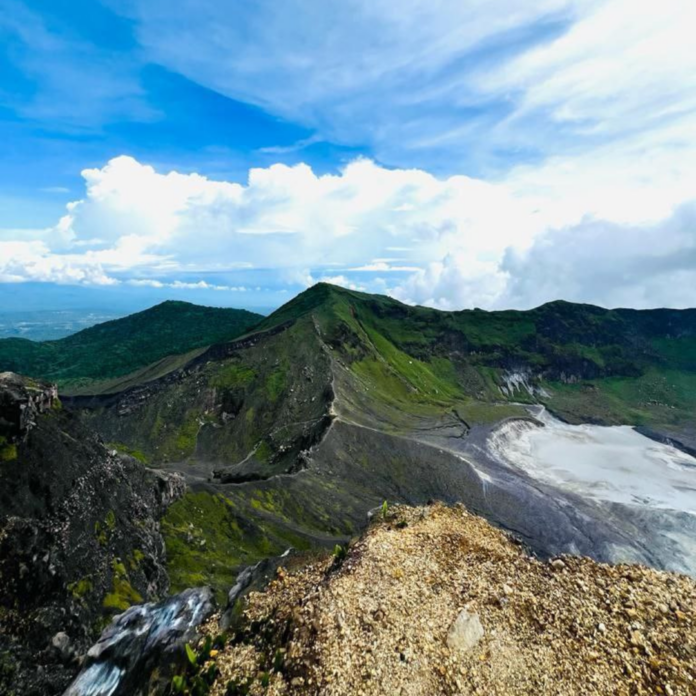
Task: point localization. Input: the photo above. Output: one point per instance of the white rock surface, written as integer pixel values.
(466, 632)
(614, 464)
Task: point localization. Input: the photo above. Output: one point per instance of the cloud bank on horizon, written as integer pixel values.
(512, 152)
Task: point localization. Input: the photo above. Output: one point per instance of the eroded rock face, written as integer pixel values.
(79, 537)
(21, 402)
(142, 647)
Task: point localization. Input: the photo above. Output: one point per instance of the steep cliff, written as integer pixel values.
(79, 537)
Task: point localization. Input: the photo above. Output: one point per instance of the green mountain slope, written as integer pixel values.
(339, 400)
(584, 362)
(122, 346)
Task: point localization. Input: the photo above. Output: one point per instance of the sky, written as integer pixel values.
(452, 153)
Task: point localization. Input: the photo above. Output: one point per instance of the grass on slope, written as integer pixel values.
(660, 397)
(608, 366)
(123, 346)
(208, 540)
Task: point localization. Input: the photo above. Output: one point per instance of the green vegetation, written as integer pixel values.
(232, 375)
(657, 398)
(130, 451)
(276, 383)
(122, 594)
(614, 366)
(208, 540)
(185, 440)
(406, 375)
(199, 674)
(123, 346)
(103, 531)
(488, 413)
(8, 450)
(81, 587)
(110, 520)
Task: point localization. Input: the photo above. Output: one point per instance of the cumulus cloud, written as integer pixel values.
(33, 260)
(285, 218)
(450, 243)
(605, 263)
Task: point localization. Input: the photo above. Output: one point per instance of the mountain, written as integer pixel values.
(79, 537)
(339, 400)
(119, 347)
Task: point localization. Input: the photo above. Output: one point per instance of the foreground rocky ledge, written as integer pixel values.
(436, 601)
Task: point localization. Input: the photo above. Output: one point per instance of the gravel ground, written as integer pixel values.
(384, 620)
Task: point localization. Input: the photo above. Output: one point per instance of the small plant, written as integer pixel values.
(385, 510)
(197, 678)
(238, 688)
(278, 661)
(220, 641)
(190, 653)
(340, 553)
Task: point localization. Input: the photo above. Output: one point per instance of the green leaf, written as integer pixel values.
(191, 654)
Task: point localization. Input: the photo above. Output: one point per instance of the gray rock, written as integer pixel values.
(466, 632)
(141, 648)
(61, 642)
(250, 578)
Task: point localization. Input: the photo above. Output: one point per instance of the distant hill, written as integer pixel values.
(119, 347)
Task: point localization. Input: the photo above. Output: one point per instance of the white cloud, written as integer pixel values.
(622, 65)
(461, 242)
(344, 282)
(450, 84)
(285, 218)
(356, 71)
(382, 267)
(32, 260)
(181, 285)
(605, 263)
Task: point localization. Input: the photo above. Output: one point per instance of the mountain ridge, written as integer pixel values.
(118, 347)
(340, 399)
(288, 434)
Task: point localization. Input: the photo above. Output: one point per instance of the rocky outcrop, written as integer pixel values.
(434, 600)
(143, 647)
(21, 402)
(79, 537)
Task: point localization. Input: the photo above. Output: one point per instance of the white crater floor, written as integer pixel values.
(614, 464)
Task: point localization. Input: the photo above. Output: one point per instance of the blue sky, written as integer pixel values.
(452, 153)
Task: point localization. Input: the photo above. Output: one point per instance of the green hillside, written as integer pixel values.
(122, 346)
(584, 362)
